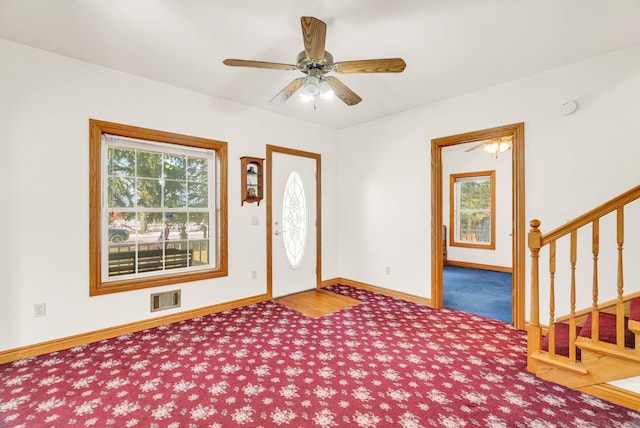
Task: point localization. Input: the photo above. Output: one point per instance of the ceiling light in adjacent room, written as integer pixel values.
(498, 146)
(494, 145)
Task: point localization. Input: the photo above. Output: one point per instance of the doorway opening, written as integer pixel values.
(518, 245)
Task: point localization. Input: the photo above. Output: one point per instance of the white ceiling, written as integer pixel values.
(450, 46)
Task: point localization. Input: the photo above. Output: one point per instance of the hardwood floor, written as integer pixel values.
(317, 303)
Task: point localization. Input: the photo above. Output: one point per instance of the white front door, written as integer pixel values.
(293, 222)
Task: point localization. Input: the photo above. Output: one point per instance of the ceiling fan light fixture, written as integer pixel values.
(326, 93)
(306, 98)
(311, 87)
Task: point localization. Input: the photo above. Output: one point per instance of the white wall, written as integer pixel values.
(378, 216)
(573, 163)
(46, 101)
(456, 160)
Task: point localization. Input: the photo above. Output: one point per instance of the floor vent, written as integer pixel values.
(166, 300)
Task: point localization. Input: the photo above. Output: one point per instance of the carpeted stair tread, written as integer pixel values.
(607, 333)
(607, 330)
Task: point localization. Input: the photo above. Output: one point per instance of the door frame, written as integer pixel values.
(518, 246)
(294, 152)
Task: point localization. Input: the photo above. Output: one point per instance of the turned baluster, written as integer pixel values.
(552, 297)
(620, 300)
(595, 249)
(572, 317)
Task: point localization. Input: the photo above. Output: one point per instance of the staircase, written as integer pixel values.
(585, 349)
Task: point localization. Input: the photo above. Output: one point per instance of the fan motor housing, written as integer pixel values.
(305, 64)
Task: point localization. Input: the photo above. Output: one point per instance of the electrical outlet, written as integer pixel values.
(39, 310)
(387, 270)
(255, 221)
(254, 274)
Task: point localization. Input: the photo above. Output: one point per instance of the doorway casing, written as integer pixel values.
(518, 212)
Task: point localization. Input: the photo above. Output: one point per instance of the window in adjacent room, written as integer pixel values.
(158, 208)
(472, 209)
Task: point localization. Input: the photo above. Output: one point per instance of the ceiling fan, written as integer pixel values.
(316, 63)
(494, 145)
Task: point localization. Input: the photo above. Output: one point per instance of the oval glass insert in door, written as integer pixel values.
(294, 220)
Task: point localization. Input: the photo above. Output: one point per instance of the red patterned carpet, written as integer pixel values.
(383, 363)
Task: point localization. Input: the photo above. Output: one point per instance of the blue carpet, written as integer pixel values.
(481, 292)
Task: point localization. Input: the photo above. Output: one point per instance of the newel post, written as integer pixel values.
(534, 331)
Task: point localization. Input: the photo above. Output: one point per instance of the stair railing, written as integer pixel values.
(536, 241)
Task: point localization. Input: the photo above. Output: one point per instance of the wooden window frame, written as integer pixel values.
(220, 213)
(453, 241)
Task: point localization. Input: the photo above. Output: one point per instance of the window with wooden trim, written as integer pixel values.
(472, 209)
(158, 208)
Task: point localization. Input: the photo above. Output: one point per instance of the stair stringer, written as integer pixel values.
(601, 362)
(607, 361)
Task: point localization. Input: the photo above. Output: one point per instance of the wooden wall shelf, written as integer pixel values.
(252, 187)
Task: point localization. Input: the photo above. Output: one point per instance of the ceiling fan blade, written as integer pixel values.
(349, 97)
(477, 146)
(258, 64)
(288, 90)
(384, 65)
(314, 33)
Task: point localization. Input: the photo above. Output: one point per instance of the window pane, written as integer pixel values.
(150, 222)
(199, 237)
(121, 162)
(121, 192)
(198, 170)
(198, 195)
(178, 220)
(149, 164)
(149, 193)
(472, 209)
(175, 194)
(175, 167)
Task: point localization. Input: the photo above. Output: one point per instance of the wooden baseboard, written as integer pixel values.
(623, 397)
(107, 333)
(379, 290)
(478, 266)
